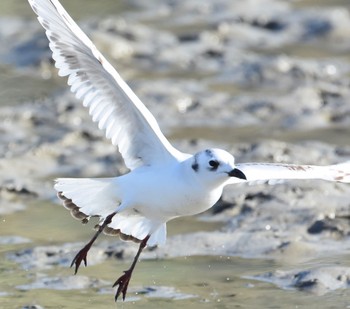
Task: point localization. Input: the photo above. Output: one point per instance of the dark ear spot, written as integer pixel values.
(209, 152)
(195, 166)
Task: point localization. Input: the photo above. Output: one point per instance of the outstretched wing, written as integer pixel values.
(270, 171)
(116, 108)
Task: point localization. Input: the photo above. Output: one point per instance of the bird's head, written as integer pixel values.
(215, 166)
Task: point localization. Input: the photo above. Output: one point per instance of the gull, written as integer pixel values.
(163, 183)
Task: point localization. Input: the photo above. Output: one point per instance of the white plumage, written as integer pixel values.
(131, 127)
(110, 101)
(274, 171)
(163, 183)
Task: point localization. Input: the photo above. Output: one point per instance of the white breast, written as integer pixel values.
(164, 194)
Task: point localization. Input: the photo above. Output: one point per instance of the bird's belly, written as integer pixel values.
(168, 203)
(162, 197)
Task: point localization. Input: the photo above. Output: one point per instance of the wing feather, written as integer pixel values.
(116, 108)
(270, 171)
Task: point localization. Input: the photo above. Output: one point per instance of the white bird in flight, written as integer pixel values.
(163, 183)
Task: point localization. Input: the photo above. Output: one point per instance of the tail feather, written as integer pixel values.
(88, 197)
(98, 197)
(74, 209)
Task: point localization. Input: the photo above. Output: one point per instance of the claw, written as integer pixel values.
(123, 282)
(81, 256)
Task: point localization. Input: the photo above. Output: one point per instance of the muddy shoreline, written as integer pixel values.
(268, 85)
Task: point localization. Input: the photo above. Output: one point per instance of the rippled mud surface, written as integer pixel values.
(266, 80)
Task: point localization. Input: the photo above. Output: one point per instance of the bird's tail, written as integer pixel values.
(88, 197)
(99, 197)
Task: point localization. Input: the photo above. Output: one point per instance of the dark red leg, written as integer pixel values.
(123, 280)
(81, 256)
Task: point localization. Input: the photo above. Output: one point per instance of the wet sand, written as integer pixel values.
(267, 81)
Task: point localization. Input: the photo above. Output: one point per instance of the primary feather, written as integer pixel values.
(111, 103)
(275, 171)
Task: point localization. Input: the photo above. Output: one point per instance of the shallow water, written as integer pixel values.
(206, 282)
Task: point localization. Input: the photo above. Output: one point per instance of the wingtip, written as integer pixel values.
(341, 172)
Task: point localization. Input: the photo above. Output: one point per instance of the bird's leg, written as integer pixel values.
(123, 280)
(81, 256)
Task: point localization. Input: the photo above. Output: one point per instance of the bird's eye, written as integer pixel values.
(214, 164)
